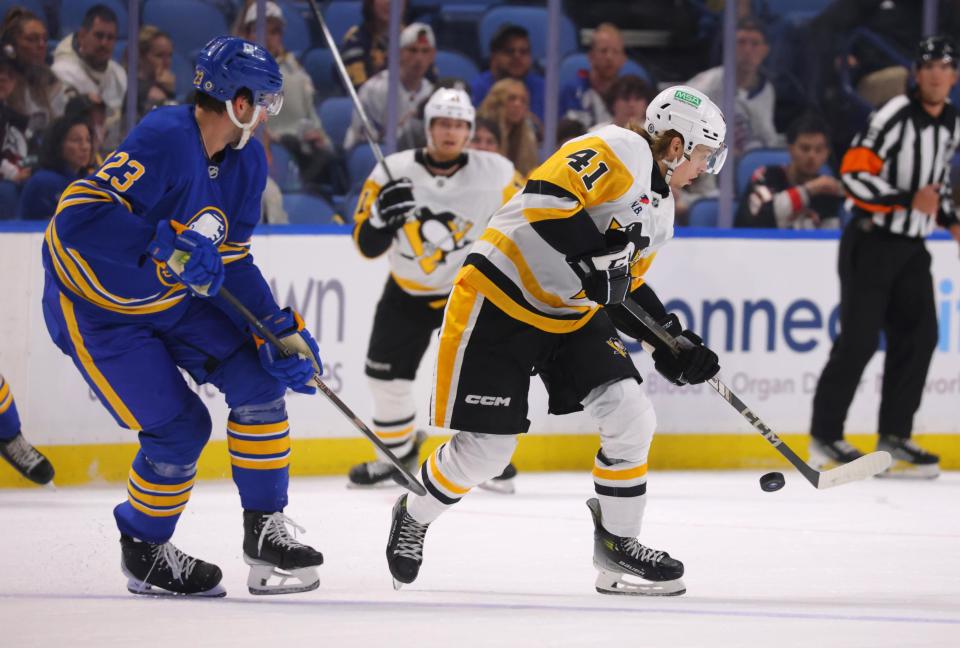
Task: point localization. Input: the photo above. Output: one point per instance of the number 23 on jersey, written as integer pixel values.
(120, 171)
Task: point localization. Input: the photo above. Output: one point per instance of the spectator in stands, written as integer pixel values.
(94, 112)
(156, 82)
(39, 95)
(13, 127)
(583, 97)
(417, 51)
(798, 195)
(84, 63)
(510, 58)
(364, 47)
(508, 104)
(297, 127)
(67, 155)
(627, 101)
(486, 135)
(753, 122)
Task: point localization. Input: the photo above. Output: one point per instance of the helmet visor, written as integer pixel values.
(716, 159)
(271, 102)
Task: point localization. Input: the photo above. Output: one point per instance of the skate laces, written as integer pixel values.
(275, 530)
(180, 564)
(23, 454)
(640, 552)
(412, 535)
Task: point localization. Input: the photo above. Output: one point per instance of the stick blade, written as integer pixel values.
(866, 466)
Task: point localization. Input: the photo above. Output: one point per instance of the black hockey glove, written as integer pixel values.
(693, 365)
(394, 204)
(605, 275)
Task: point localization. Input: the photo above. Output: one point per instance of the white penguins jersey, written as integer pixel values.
(605, 180)
(451, 213)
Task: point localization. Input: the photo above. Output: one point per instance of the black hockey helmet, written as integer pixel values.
(933, 48)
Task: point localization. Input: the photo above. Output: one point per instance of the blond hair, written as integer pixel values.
(518, 142)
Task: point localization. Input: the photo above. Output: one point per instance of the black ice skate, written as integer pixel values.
(616, 557)
(502, 483)
(164, 570)
(273, 554)
(825, 455)
(405, 545)
(27, 460)
(382, 473)
(909, 459)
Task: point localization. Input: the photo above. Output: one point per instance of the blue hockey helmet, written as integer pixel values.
(226, 64)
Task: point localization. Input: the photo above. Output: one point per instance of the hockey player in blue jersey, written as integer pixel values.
(134, 258)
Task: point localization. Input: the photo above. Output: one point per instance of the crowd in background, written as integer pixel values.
(806, 83)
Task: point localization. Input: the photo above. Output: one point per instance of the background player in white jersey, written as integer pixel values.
(541, 293)
(27, 460)
(425, 221)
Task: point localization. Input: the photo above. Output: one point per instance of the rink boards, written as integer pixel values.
(766, 304)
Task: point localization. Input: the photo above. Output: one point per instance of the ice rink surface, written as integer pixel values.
(870, 564)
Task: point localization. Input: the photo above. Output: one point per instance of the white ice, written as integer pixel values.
(868, 564)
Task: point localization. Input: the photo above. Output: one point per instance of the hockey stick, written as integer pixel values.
(407, 479)
(348, 84)
(866, 466)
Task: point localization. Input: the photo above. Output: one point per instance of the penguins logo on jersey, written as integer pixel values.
(619, 348)
(431, 237)
(209, 222)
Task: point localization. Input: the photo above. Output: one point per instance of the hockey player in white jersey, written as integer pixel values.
(541, 292)
(425, 221)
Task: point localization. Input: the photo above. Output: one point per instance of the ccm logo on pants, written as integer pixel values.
(494, 401)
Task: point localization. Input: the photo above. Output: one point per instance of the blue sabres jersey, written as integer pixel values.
(95, 245)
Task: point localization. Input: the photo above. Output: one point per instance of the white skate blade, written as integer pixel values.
(866, 466)
(140, 588)
(609, 582)
(397, 584)
(266, 579)
(502, 486)
(907, 470)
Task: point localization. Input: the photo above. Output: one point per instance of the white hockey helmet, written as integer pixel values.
(449, 102)
(691, 113)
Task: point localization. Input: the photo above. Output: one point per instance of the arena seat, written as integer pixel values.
(306, 209)
(335, 115)
(190, 23)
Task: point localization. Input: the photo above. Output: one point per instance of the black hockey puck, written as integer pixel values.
(773, 481)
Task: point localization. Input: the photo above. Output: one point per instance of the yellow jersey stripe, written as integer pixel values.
(529, 280)
(113, 399)
(146, 510)
(272, 464)
(274, 446)
(169, 489)
(620, 475)
(159, 500)
(259, 428)
(479, 282)
(455, 320)
(398, 434)
(442, 479)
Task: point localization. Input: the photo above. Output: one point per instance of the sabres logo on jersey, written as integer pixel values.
(211, 223)
(431, 237)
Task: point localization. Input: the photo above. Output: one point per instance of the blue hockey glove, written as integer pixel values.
(297, 370)
(190, 256)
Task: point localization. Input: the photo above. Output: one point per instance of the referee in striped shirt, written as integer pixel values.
(896, 174)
